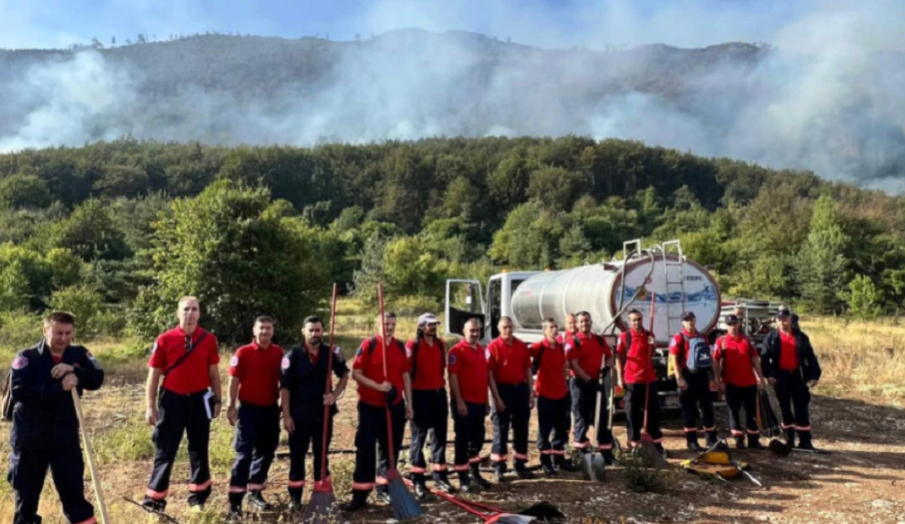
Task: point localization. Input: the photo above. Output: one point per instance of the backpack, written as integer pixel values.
(698, 356)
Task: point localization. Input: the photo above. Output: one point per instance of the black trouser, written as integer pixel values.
(517, 398)
(738, 397)
(469, 435)
(584, 402)
(431, 417)
(180, 414)
(794, 398)
(372, 431)
(309, 432)
(256, 440)
(553, 426)
(635, 395)
(27, 469)
(697, 394)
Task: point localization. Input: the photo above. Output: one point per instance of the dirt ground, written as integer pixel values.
(862, 481)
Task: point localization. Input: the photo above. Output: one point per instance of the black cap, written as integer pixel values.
(731, 320)
(783, 312)
(688, 315)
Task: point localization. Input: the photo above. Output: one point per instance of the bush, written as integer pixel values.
(83, 302)
(18, 330)
(640, 477)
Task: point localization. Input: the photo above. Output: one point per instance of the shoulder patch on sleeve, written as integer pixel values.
(233, 362)
(453, 359)
(359, 352)
(672, 342)
(19, 362)
(337, 351)
(285, 363)
(94, 362)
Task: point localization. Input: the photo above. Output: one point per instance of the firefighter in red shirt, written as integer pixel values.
(376, 390)
(737, 363)
(553, 402)
(586, 352)
(634, 350)
(254, 380)
(694, 384)
(469, 381)
(430, 404)
(186, 357)
(571, 329)
(511, 383)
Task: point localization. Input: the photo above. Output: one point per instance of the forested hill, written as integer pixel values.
(119, 230)
(833, 114)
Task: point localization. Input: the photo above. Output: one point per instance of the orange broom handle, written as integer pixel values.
(329, 387)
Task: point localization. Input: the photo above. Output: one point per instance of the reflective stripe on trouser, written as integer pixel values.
(371, 434)
(794, 398)
(517, 398)
(736, 399)
(469, 430)
(431, 418)
(696, 396)
(180, 414)
(308, 434)
(634, 409)
(553, 424)
(584, 400)
(255, 442)
(27, 470)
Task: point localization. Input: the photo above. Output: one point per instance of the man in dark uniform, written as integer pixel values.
(254, 380)
(430, 404)
(634, 349)
(45, 430)
(586, 352)
(468, 381)
(377, 390)
(790, 366)
(303, 383)
(694, 386)
(186, 356)
(553, 402)
(512, 385)
(737, 363)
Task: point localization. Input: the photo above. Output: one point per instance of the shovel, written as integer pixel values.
(648, 446)
(593, 466)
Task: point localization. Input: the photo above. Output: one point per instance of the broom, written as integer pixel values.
(404, 504)
(647, 442)
(771, 424)
(322, 506)
(89, 455)
(543, 511)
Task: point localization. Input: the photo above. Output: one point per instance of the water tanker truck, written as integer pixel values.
(608, 291)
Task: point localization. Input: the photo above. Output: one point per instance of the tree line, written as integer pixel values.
(116, 231)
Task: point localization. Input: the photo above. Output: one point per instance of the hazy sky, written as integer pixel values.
(551, 23)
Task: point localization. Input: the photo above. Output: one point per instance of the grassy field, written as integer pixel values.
(863, 361)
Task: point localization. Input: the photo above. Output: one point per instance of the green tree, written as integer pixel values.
(23, 191)
(821, 265)
(557, 188)
(91, 233)
(864, 299)
(14, 288)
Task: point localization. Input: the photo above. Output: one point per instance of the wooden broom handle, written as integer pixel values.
(89, 455)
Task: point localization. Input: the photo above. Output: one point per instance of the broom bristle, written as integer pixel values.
(779, 448)
(543, 511)
(322, 508)
(403, 502)
(509, 518)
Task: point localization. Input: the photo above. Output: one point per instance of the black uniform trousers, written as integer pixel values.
(309, 431)
(584, 402)
(553, 425)
(256, 441)
(27, 469)
(372, 430)
(469, 431)
(635, 398)
(696, 395)
(794, 398)
(738, 397)
(517, 398)
(180, 414)
(431, 418)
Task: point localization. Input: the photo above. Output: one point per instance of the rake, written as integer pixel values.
(322, 508)
(403, 503)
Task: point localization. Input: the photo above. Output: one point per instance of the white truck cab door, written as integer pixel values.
(464, 301)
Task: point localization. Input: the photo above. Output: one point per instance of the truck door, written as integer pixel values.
(464, 301)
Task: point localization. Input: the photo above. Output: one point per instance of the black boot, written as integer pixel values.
(256, 499)
(157, 506)
(804, 440)
(359, 501)
(479, 480)
(754, 441)
(608, 458)
(382, 494)
(691, 441)
(563, 464)
(295, 501)
(739, 442)
(546, 463)
(441, 483)
(712, 438)
(790, 437)
(235, 512)
(421, 489)
(465, 485)
(523, 473)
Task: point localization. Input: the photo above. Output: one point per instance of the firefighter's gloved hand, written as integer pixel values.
(392, 395)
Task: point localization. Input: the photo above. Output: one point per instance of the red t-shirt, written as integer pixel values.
(508, 362)
(371, 363)
(192, 375)
(431, 363)
(678, 346)
(562, 337)
(734, 355)
(470, 366)
(258, 371)
(788, 353)
(589, 352)
(551, 375)
(56, 359)
(638, 366)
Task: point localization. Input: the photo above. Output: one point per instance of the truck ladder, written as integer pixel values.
(674, 273)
